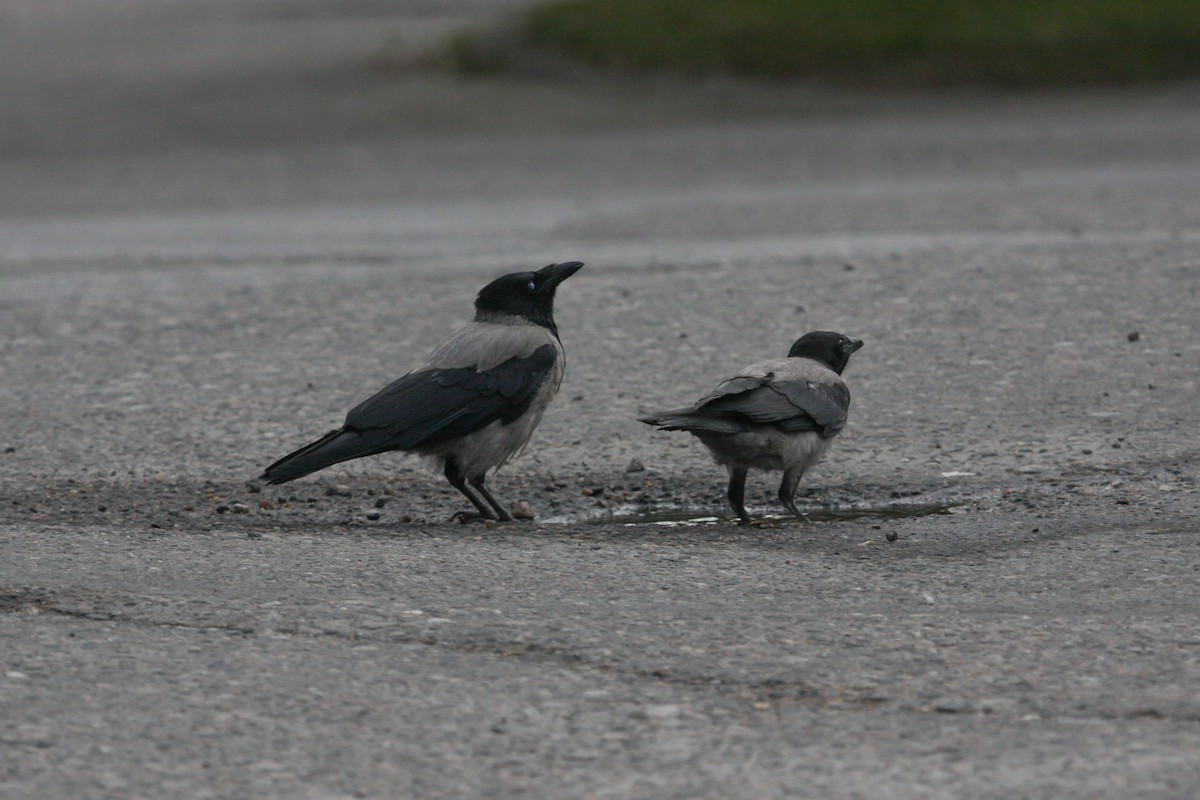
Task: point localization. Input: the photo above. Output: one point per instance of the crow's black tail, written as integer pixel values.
(332, 448)
(667, 420)
(687, 419)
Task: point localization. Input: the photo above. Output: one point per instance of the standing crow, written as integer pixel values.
(777, 414)
(472, 404)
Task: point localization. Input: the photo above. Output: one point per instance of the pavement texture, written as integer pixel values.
(222, 224)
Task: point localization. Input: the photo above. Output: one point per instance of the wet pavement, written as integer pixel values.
(994, 593)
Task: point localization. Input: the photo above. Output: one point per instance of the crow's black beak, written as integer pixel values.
(852, 345)
(555, 274)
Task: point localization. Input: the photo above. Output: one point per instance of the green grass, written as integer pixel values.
(881, 42)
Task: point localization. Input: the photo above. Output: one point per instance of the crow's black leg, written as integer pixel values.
(477, 482)
(787, 490)
(454, 474)
(737, 492)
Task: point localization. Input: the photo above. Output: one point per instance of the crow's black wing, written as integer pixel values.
(702, 418)
(735, 386)
(432, 406)
(792, 406)
(825, 406)
(424, 408)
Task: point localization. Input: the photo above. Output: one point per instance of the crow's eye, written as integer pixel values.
(532, 286)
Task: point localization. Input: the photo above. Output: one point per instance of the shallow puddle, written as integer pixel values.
(821, 514)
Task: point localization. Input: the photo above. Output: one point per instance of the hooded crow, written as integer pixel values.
(777, 414)
(472, 405)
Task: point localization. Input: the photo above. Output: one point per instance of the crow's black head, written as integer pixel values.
(826, 347)
(529, 295)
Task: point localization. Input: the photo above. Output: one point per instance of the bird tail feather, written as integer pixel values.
(686, 419)
(332, 448)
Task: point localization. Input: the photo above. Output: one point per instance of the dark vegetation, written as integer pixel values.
(872, 42)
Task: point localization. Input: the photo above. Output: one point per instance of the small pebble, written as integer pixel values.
(522, 510)
(373, 515)
(1134, 336)
(950, 707)
(891, 536)
(661, 711)
(266, 505)
(340, 490)
(240, 508)
(381, 502)
(635, 466)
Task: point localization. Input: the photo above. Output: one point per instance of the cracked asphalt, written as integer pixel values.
(209, 252)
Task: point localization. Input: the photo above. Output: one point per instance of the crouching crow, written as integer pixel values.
(777, 414)
(472, 404)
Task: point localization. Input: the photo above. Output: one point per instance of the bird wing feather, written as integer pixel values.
(823, 406)
(793, 404)
(429, 406)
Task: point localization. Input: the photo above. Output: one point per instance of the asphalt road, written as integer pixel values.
(220, 228)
